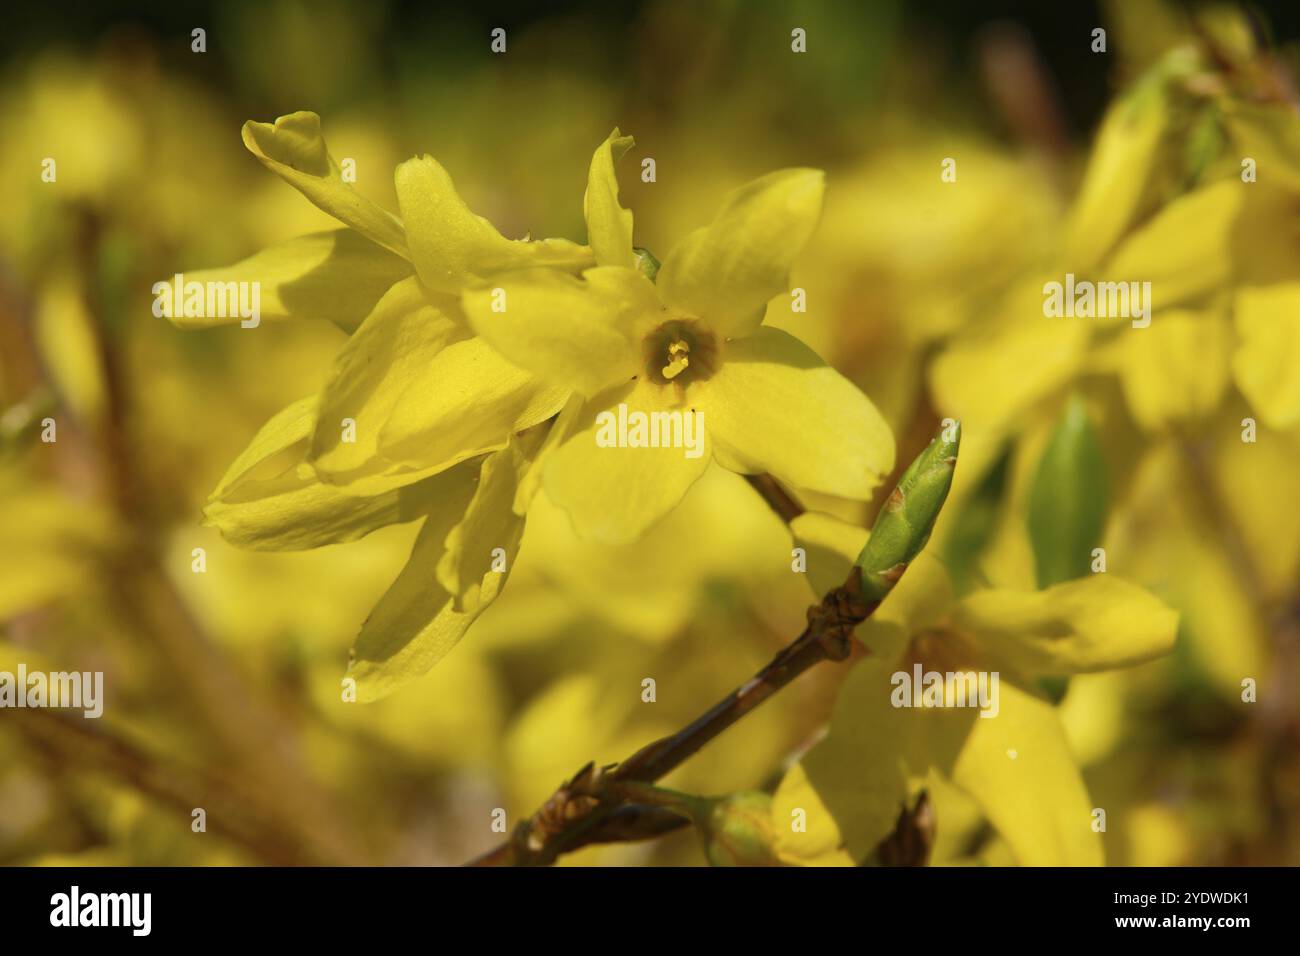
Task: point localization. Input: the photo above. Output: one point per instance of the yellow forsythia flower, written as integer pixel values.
(685, 358)
(464, 342)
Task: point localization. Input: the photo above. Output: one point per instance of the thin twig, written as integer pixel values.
(578, 812)
(238, 816)
(245, 727)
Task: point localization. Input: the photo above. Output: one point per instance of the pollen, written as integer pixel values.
(679, 353)
(679, 359)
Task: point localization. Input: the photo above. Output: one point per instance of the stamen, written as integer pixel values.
(678, 359)
(679, 353)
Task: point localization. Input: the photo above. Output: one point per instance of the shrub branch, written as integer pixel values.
(593, 806)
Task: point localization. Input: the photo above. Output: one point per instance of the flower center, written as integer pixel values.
(679, 352)
(679, 359)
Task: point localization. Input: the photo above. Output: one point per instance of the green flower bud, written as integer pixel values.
(1067, 500)
(737, 830)
(1067, 509)
(904, 524)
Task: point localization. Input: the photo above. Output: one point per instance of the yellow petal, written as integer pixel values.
(294, 148)
(1018, 767)
(991, 374)
(415, 625)
(1093, 715)
(1248, 473)
(393, 349)
(733, 534)
(849, 788)
(1185, 250)
(725, 273)
(1167, 538)
(1089, 624)
(613, 494)
(297, 513)
(609, 225)
(65, 334)
(1116, 188)
(922, 599)
(269, 501)
(337, 276)
(466, 401)
(452, 247)
(1177, 369)
(474, 566)
(1267, 363)
(830, 545)
(1268, 133)
(569, 419)
(285, 429)
(582, 334)
(774, 406)
(852, 784)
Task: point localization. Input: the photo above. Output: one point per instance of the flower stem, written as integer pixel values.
(583, 809)
(575, 815)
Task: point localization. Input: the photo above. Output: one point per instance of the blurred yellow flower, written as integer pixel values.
(1016, 766)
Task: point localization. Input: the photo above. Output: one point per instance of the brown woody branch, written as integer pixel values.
(604, 804)
(237, 814)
